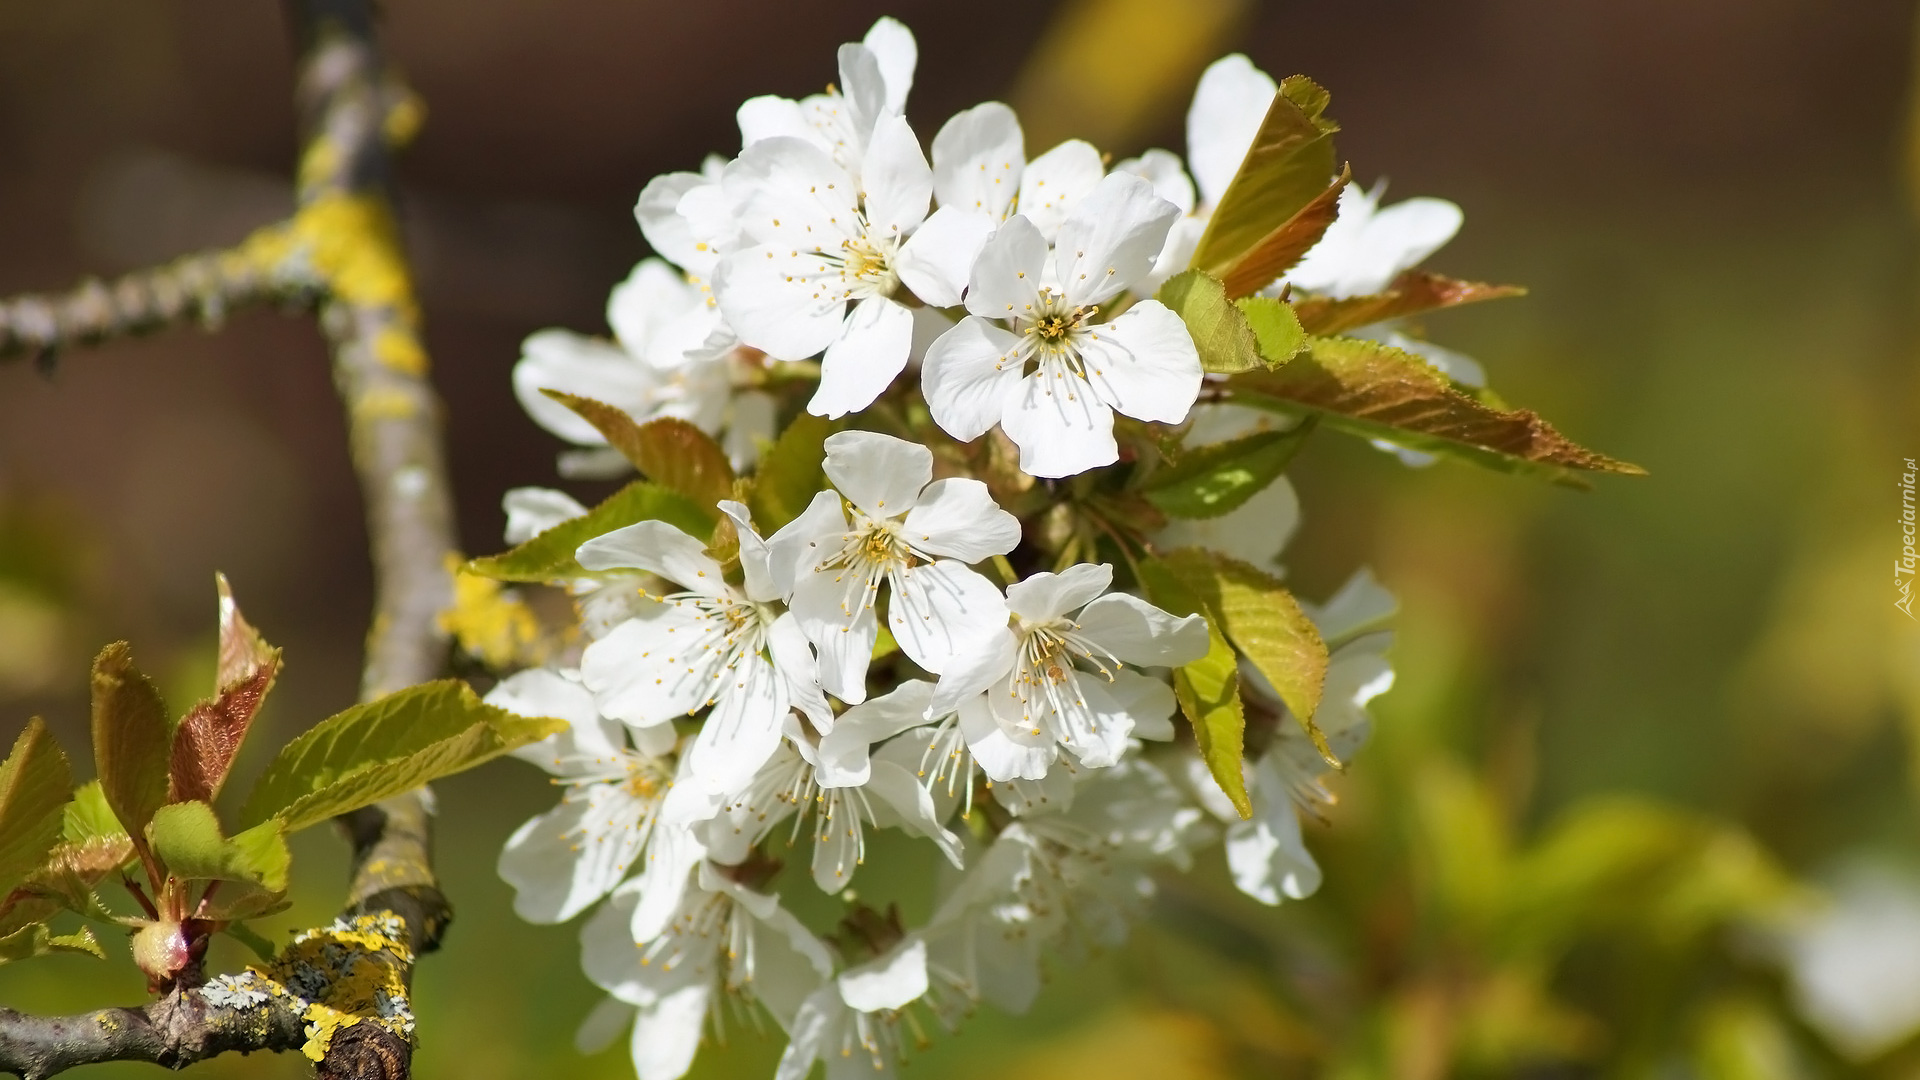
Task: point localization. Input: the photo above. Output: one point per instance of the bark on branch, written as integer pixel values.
(179, 1029)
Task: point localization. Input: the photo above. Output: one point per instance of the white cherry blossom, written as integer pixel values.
(852, 1023)
(673, 357)
(1033, 355)
(723, 940)
(890, 521)
(607, 823)
(876, 74)
(823, 271)
(789, 786)
(1038, 697)
(981, 176)
(712, 644)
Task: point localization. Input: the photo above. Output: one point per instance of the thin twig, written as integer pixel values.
(203, 288)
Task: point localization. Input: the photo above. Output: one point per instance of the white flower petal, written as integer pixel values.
(1162, 169)
(1136, 632)
(607, 955)
(968, 377)
(818, 1018)
(939, 609)
(802, 543)
(1005, 752)
(958, 518)
(1095, 726)
(1267, 857)
(1144, 364)
(864, 92)
(743, 730)
(533, 510)
(1007, 274)
(888, 982)
(1044, 596)
(845, 751)
(603, 1025)
(650, 298)
(658, 548)
(657, 666)
(568, 362)
(770, 116)
(672, 853)
(658, 212)
(1228, 108)
(860, 365)
(972, 670)
(1111, 239)
(878, 473)
(897, 53)
(978, 160)
(756, 559)
(937, 259)
(836, 612)
(895, 179)
(752, 420)
(562, 861)
(666, 1034)
(900, 800)
(1361, 604)
(1055, 181)
(1062, 430)
(1149, 701)
(793, 658)
(784, 301)
(545, 692)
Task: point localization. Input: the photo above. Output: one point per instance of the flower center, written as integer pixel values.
(1052, 335)
(866, 266)
(874, 547)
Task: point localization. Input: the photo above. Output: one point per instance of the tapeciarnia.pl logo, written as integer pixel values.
(1903, 567)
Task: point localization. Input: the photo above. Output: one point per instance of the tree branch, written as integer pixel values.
(179, 1029)
(202, 287)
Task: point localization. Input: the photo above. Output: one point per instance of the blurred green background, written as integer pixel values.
(1642, 738)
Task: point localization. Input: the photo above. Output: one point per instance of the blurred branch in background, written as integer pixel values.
(1109, 70)
(342, 248)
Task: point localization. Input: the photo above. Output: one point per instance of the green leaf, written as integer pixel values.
(88, 817)
(38, 940)
(790, 473)
(1412, 293)
(549, 556)
(385, 747)
(1208, 689)
(35, 787)
(1278, 251)
(1288, 165)
(1277, 332)
(1381, 392)
(1208, 481)
(669, 451)
(186, 837)
(209, 736)
(1264, 622)
(246, 935)
(130, 740)
(1225, 342)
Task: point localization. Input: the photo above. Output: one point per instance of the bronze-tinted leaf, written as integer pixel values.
(1287, 167)
(669, 451)
(1411, 293)
(209, 736)
(130, 740)
(1219, 329)
(1378, 391)
(790, 473)
(1277, 252)
(1208, 689)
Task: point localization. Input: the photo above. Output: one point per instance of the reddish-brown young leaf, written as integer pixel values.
(1279, 250)
(1380, 392)
(209, 736)
(1411, 293)
(669, 451)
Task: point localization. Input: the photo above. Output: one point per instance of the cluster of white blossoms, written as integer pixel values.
(904, 653)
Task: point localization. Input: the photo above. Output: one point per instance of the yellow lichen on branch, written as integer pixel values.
(352, 972)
